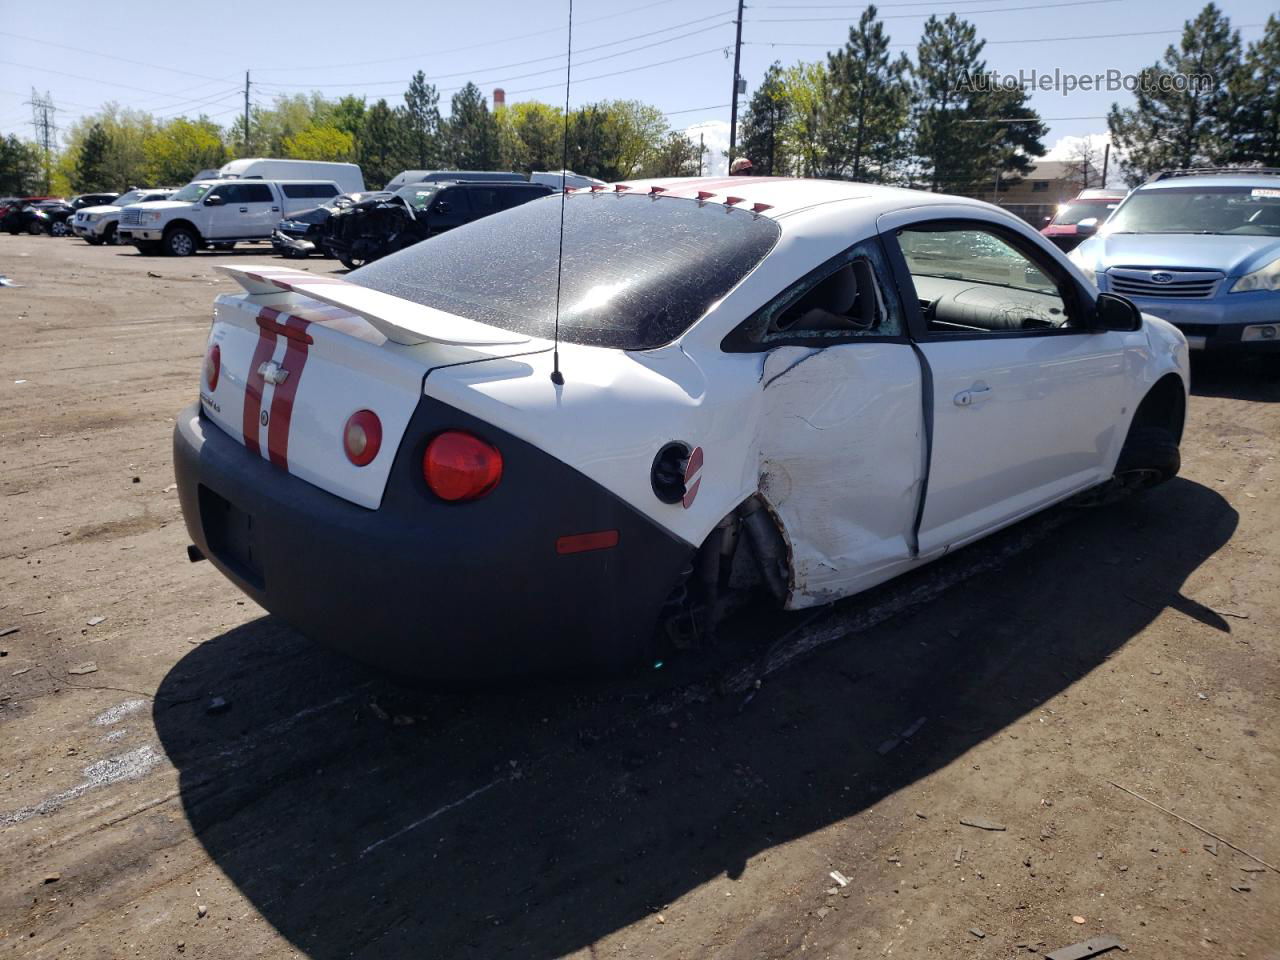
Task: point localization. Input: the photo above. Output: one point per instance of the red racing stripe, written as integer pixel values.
(253, 382)
(295, 358)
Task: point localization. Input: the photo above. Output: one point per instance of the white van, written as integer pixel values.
(345, 175)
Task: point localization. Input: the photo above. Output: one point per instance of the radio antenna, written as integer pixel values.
(556, 376)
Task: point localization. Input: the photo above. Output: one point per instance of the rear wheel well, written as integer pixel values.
(1164, 406)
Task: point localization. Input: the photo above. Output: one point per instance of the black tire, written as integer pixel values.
(1149, 458)
(179, 242)
(35, 228)
(148, 248)
(350, 262)
(109, 235)
(290, 254)
(59, 229)
(92, 240)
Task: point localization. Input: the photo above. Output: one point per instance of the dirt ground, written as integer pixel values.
(695, 811)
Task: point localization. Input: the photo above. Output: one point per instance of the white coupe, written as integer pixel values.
(801, 385)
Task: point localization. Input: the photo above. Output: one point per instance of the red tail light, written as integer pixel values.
(362, 436)
(458, 466)
(212, 367)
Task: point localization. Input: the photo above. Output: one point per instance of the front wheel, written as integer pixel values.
(352, 262)
(109, 235)
(59, 229)
(179, 242)
(148, 248)
(92, 240)
(1150, 457)
(35, 228)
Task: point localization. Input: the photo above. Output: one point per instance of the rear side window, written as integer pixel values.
(484, 200)
(638, 271)
(255, 193)
(518, 195)
(309, 191)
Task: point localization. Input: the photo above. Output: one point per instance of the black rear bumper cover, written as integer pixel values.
(472, 591)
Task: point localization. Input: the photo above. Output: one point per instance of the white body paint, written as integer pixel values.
(833, 438)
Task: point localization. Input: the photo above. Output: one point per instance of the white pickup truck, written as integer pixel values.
(218, 214)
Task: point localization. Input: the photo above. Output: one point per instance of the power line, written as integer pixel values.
(1092, 36)
(110, 83)
(676, 113)
(555, 69)
(108, 56)
(485, 43)
(616, 73)
(912, 16)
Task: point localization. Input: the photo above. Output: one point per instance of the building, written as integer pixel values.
(1035, 195)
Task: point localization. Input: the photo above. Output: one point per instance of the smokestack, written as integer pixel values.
(499, 97)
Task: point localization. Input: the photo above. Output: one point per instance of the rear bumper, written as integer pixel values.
(439, 591)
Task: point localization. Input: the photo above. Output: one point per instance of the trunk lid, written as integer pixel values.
(299, 353)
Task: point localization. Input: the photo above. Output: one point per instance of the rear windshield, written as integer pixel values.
(637, 271)
(1073, 213)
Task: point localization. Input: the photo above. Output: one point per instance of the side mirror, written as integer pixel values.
(1117, 313)
(1087, 227)
(213, 200)
(440, 206)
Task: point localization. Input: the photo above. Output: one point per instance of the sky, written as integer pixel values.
(675, 54)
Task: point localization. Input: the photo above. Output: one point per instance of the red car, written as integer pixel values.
(1095, 204)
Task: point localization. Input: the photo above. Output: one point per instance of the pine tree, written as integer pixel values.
(872, 99)
(383, 146)
(763, 138)
(1257, 122)
(472, 134)
(1197, 124)
(91, 174)
(962, 135)
(422, 107)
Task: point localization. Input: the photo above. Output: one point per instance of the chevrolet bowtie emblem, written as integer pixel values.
(273, 373)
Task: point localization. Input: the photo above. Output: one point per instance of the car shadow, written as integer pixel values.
(1254, 378)
(364, 818)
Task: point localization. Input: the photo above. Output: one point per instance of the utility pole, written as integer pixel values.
(1106, 159)
(246, 113)
(42, 111)
(737, 83)
(701, 151)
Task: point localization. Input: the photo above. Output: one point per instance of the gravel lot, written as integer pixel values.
(697, 811)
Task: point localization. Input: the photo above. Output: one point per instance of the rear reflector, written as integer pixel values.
(361, 437)
(582, 542)
(213, 367)
(459, 466)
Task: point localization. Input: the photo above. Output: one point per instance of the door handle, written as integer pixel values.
(275, 209)
(978, 393)
(244, 209)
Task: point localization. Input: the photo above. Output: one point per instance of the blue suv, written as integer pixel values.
(1199, 248)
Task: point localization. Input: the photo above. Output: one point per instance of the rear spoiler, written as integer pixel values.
(399, 320)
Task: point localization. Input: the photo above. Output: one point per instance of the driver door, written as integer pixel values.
(1028, 397)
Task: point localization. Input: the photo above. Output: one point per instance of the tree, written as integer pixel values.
(763, 139)
(422, 121)
(634, 132)
(807, 87)
(383, 146)
(1183, 112)
(872, 97)
(471, 132)
(348, 115)
(1257, 135)
(539, 129)
(967, 131)
(321, 143)
(182, 148)
(21, 169)
(90, 172)
(676, 156)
